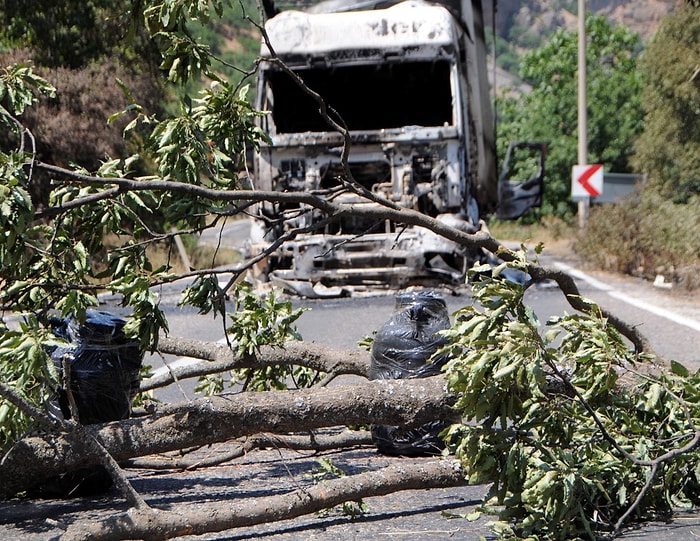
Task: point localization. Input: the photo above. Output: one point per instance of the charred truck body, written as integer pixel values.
(409, 82)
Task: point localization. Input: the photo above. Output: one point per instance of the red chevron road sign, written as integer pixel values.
(587, 180)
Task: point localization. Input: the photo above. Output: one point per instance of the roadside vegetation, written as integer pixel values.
(657, 230)
(548, 113)
(644, 117)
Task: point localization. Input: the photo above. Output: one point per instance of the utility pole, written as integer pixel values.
(584, 202)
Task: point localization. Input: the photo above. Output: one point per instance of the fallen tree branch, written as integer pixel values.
(335, 210)
(652, 463)
(77, 433)
(221, 358)
(332, 209)
(313, 442)
(219, 516)
(222, 418)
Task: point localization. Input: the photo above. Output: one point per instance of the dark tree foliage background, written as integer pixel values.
(667, 150)
(63, 33)
(657, 231)
(83, 48)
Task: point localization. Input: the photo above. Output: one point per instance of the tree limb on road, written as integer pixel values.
(218, 516)
(225, 417)
(221, 357)
(312, 442)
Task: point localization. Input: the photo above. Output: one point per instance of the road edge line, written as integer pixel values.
(643, 305)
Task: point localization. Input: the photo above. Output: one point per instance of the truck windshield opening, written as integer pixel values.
(367, 97)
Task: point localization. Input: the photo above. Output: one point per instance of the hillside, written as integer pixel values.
(523, 23)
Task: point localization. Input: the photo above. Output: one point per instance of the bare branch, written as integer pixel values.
(332, 209)
(221, 358)
(166, 524)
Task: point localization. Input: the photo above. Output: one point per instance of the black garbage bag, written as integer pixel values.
(402, 349)
(104, 367)
(104, 378)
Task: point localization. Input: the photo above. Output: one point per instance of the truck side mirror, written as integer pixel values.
(521, 184)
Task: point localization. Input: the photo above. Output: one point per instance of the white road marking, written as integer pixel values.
(638, 303)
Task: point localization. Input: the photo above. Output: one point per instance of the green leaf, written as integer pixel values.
(678, 369)
(505, 370)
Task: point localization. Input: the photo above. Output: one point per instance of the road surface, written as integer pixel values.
(670, 320)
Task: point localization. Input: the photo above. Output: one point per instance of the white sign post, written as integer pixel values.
(586, 181)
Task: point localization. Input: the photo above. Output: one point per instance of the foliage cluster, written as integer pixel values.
(574, 439)
(43, 261)
(46, 262)
(548, 113)
(253, 322)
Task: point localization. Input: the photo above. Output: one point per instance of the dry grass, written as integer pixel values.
(166, 254)
(556, 235)
(646, 236)
(198, 256)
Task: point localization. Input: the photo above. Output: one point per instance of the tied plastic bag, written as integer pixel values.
(104, 369)
(402, 349)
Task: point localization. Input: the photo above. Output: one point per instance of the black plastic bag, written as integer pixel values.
(402, 349)
(104, 367)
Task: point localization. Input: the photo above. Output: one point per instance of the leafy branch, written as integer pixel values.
(569, 446)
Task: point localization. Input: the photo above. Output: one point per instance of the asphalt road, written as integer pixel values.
(671, 320)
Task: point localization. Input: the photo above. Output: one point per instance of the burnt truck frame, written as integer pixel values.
(409, 82)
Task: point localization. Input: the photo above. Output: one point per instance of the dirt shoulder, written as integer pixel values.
(659, 293)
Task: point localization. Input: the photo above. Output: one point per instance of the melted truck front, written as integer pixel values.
(409, 83)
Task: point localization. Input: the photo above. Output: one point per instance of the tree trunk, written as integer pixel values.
(222, 418)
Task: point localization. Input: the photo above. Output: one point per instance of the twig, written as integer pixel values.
(637, 500)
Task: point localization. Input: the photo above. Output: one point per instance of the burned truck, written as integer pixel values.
(409, 82)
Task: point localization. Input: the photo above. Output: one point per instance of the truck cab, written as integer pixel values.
(408, 81)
